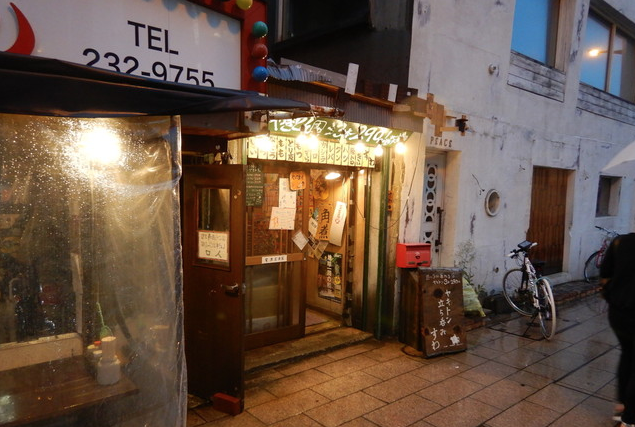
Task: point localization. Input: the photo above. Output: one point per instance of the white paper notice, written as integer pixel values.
(300, 239)
(286, 197)
(313, 226)
(337, 223)
(282, 219)
(213, 245)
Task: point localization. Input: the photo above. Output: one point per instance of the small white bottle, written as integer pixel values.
(109, 366)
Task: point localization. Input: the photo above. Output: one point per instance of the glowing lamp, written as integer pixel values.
(360, 147)
(263, 142)
(313, 142)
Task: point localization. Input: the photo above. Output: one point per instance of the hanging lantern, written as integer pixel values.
(259, 29)
(244, 4)
(259, 51)
(260, 74)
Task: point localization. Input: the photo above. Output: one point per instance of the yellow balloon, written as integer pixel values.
(244, 4)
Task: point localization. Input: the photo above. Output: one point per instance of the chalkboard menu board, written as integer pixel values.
(442, 321)
(254, 186)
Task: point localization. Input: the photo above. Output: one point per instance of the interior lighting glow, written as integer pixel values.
(100, 145)
(400, 148)
(360, 147)
(313, 142)
(263, 142)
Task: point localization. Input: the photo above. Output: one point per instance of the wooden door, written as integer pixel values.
(274, 272)
(213, 270)
(547, 217)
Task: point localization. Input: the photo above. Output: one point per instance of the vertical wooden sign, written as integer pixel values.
(442, 326)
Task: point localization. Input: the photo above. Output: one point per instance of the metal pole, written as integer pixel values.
(381, 246)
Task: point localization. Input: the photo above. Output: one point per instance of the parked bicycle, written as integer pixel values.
(593, 263)
(528, 292)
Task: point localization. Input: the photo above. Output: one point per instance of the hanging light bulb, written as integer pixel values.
(360, 147)
(400, 148)
(313, 142)
(263, 142)
(332, 175)
(302, 139)
(100, 145)
(379, 150)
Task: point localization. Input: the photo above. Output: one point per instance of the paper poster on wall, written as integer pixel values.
(320, 248)
(313, 226)
(337, 225)
(213, 245)
(312, 246)
(286, 197)
(282, 219)
(300, 239)
(297, 180)
(329, 279)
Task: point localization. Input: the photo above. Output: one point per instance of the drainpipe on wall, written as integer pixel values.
(366, 249)
(381, 246)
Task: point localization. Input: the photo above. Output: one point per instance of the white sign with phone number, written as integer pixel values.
(171, 40)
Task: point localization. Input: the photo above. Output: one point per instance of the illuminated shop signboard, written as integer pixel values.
(339, 130)
(327, 152)
(171, 40)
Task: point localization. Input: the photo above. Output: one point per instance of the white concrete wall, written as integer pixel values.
(511, 131)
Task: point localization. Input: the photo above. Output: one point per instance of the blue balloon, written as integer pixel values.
(260, 74)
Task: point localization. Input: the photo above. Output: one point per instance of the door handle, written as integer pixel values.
(437, 242)
(232, 290)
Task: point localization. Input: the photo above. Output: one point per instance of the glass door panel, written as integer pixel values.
(274, 303)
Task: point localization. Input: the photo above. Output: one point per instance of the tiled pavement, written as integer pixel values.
(502, 379)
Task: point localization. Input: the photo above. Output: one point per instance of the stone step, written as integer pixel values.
(310, 345)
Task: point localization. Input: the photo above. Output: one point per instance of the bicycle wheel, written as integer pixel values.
(547, 311)
(517, 293)
(592, 268)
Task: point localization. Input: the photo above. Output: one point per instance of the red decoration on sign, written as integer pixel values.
(257, 12)
(259, 51)
(25, 42)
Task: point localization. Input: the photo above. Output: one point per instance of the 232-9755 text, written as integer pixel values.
(130, 65)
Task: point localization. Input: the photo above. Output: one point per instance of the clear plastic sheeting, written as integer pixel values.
(90, 274)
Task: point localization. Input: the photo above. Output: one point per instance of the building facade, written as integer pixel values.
(546, 114)
(516, 124)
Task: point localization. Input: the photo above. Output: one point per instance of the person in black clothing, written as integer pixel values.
(617, 274)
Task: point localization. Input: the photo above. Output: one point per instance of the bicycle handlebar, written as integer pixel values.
(522, 247)
(607, 231)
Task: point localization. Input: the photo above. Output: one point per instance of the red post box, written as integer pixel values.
(413, 255)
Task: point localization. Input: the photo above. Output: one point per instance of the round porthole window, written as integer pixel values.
(492, 202)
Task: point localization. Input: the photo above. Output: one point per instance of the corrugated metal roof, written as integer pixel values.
(354, 110)
(294, 72)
